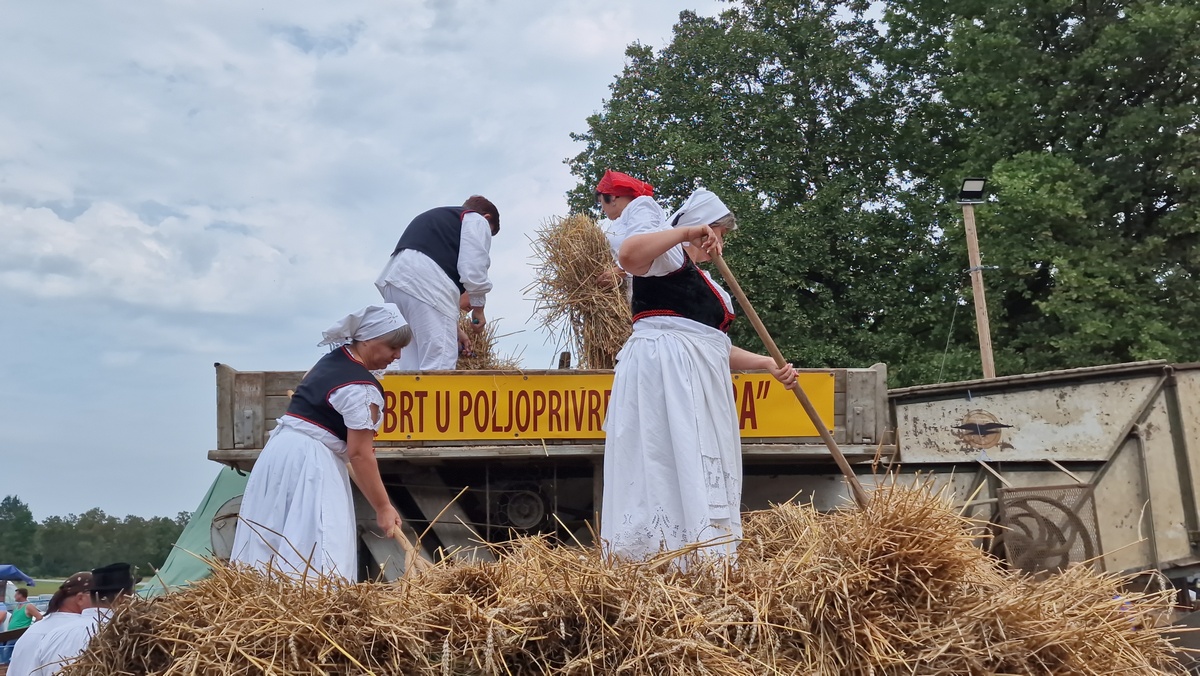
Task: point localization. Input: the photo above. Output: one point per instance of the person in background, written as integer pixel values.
(443, 255)
(672, 451)
(297, 511)
(33, 654)
(25, 613)
(109, 585)
(623, 199)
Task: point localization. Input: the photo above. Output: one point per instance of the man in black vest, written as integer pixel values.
(441, 265)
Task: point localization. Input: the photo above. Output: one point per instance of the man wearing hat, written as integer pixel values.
(439, 267)
(108, 585)
(33, 650)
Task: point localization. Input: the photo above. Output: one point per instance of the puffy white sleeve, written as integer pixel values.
(474, 257)
(643, 215)
(354, 401)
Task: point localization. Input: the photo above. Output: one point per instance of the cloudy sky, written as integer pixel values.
(183, 183)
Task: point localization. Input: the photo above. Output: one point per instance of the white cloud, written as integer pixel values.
(185, 182)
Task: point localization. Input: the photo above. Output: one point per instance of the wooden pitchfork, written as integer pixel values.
(856, 488)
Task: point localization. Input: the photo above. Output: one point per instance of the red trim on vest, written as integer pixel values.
(729, 316)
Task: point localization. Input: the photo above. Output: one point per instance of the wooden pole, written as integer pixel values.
(982, 327)
(856, 488)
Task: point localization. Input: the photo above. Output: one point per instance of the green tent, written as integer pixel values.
(185, 565)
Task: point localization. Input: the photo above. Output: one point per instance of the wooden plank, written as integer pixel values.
(275, 406)
(277, 383)
(860, 406)
(248, 428)
(883, 413)
(225, 377)
(814, 451)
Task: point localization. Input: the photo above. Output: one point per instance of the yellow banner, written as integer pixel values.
(462, 407)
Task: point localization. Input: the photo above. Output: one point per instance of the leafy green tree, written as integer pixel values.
(840, 142)
(1084, 115)
(783, 109)
(17, 532)
(57, 553)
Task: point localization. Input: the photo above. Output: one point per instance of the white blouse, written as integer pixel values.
(353, 402)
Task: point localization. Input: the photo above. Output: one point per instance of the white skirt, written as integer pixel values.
(672, 452)
(297, 512)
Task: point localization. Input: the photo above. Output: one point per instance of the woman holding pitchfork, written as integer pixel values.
(297, 514)
(672, 453)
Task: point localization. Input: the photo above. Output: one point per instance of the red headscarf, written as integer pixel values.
(623, 185)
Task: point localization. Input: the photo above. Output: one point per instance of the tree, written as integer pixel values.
(840, 145)
(783, 110)
(1084, 114)
(17, 531)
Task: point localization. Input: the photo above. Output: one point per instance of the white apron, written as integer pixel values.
(297, 511)
(672, 452)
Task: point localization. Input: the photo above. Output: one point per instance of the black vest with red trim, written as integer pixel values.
(684, 293)
(333, 372)
(437, 233)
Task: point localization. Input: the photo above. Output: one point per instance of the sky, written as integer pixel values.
(185, 182)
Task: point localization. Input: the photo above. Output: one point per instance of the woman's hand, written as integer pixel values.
(477, 319)
(610, 276)
(702, 236)
(464, 344)
(388, 520)
(785, 374)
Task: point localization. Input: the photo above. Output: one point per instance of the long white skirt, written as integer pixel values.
(672, 452)
(297, 511)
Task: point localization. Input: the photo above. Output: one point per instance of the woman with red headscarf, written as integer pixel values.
(672, 450)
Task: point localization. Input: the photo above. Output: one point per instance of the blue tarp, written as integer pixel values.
(10, 572)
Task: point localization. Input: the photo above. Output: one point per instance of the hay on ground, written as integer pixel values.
(895, 588)
(571, 254)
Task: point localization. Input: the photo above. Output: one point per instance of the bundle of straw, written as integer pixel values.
(484, 354)
(895, 588)
(576, 306)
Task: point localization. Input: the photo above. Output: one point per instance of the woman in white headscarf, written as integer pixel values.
(297, 512)
(672, 451)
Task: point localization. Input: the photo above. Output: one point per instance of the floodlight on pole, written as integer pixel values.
(970, 195)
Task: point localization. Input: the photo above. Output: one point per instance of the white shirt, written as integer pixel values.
(417, 275)
(643, 212)
(48, 646)
(354, 403)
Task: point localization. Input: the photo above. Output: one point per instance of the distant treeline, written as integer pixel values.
(60, 546)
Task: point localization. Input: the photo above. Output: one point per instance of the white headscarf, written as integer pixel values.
(370, 322)
(701, 208)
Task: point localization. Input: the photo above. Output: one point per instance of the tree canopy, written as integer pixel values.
(60, 546)
(839, 136)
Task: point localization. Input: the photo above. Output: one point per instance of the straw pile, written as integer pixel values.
(484, 355)
(897, 588)
(570, 254)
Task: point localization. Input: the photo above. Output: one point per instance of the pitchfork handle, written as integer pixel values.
(856, 488)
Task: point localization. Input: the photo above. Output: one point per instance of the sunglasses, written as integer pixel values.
(607, 199)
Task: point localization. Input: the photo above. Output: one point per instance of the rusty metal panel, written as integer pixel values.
(1165, 509)
(1062, 421)
(1187, 384)
(1121, 500)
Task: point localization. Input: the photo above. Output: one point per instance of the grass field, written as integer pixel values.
(43, 586)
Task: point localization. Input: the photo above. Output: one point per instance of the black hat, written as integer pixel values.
(113, 577)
